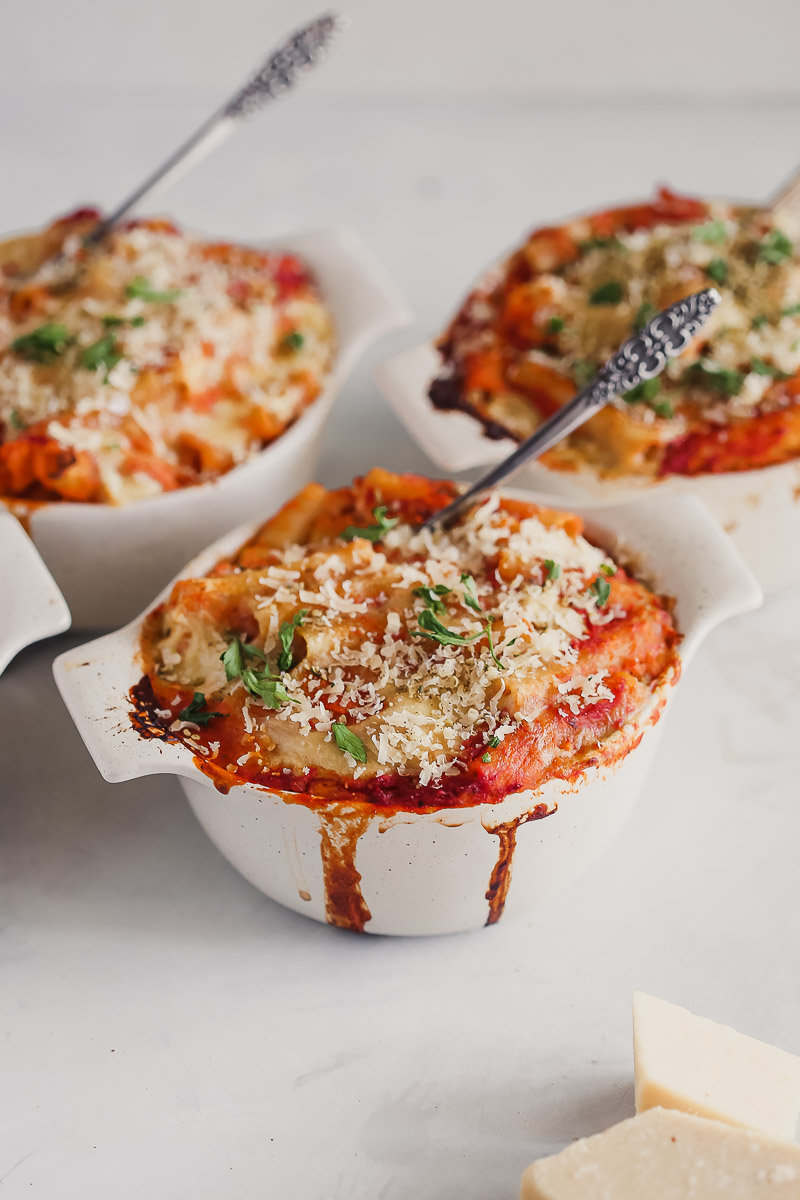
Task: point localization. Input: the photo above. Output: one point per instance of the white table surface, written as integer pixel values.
(169, 1032)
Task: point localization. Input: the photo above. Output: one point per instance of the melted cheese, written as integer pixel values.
(420, 705)
(203, 361)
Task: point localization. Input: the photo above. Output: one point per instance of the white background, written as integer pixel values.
(166, 1030)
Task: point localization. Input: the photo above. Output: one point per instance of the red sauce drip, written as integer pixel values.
(500, 880)
(340, 829)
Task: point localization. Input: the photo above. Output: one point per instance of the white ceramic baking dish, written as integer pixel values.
(31, 605)
(759, 509)
(110, 561)
(439, 872)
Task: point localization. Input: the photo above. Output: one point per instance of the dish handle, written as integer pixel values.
(31, 604)
(95, 681)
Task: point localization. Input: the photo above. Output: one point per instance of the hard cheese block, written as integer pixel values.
(688, 1062)
(668, 1155)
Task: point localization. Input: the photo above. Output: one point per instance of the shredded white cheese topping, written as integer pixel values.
(415, 702)
(207, 363)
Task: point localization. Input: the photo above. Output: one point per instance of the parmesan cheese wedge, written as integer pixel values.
(667, 1155)
(690, 1063)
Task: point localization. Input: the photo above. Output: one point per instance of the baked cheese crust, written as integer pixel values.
(341, 654)
(153, 363)
(536, 329)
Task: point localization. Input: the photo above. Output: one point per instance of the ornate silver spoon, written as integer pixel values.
(275, 76)
(642, 357)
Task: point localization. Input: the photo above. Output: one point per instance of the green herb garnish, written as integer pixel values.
(792, 311)
(293, 341)
(764, 368)
(486, 757)
(196, 711)
(269, 689)
(43, 344)
(15, 421)
(553, 568)
(662, 408)
(555, 325)
(601, 590)
(775, 248)
(430, 597)
(760, 321)
(286, 637)
(601, 243)
(647, 390)
(373, 533)
(608, 569)
(112, 322)
(102, 353)
(717, 270)
(644, 313)
(471, 593)
(712, 232)
(583, 370)
(489, 621)
(608, 293)
(348, 742)
(234, 658)
(494, 742)
(715, 377)
(140, 288)
(431, 627)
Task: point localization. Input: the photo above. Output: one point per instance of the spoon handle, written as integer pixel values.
(275, 76)
(642, 357)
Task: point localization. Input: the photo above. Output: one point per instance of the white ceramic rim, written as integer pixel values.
(34, 607)
(95, 679)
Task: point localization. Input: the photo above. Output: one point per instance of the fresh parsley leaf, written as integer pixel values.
(234, 658)
(775, 248)
(373, 533)
(647, 390)
(583, 370)
(553, 568)
(663, 408)
(43, 344)
(430, 597)
(555, 325)
(286, 637)
(601, 590)
(15, 421)
(140, 288)
(112, 322)
(717, 270)
(272, 691)
(486, 757)
(489, 621)
(471, 593)
(764, 368)
(102, 353)
(608, 569)
(196, 712)
(760, 321)
(608, 293)
(601, 243)
(431, 627)
(644, 313)
(348, 742)
(719, 379)
(792, 311)
(712, 232)
(293, 341)
(494, 742)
